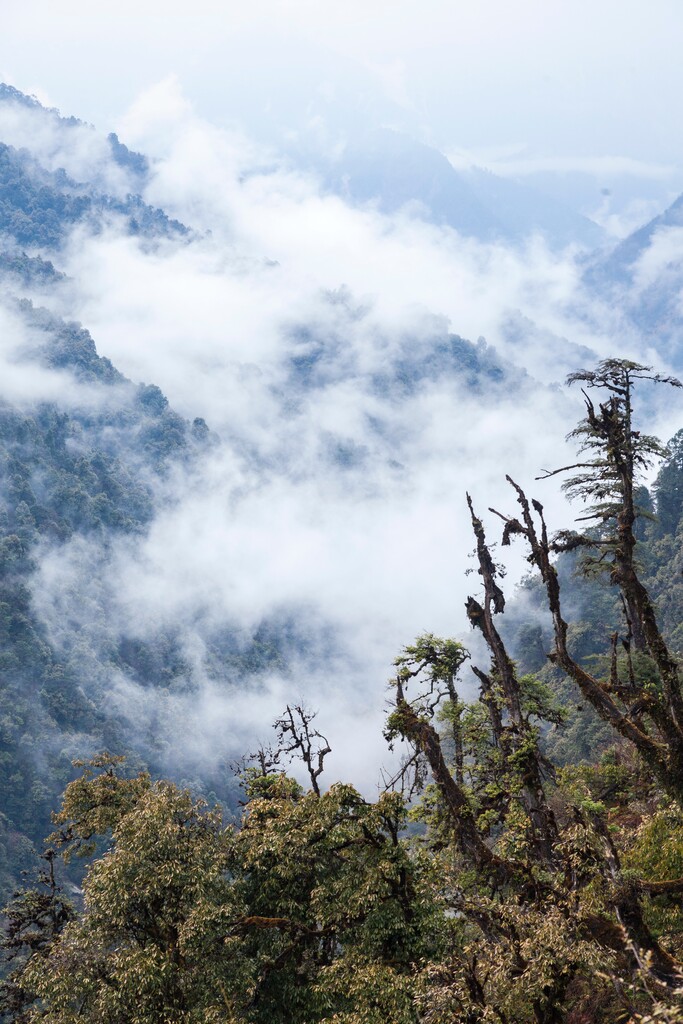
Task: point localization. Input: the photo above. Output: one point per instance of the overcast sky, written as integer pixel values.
(539, 79)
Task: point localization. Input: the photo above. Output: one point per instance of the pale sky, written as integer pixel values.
(532, 78)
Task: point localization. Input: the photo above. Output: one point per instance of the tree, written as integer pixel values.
(311, 910)
(35, 918)
(648, 711)
(608, 481)
(540, 887)
(668, 487)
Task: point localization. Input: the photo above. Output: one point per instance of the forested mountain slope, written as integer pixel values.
(69, 472)
(89, 462)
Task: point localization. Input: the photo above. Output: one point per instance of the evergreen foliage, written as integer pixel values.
(38, 208)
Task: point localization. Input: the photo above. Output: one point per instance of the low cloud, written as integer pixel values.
(26, 379)
(664, 252)
(57, 143)
(315, 339)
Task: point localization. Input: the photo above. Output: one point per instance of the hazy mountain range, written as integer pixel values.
(393, 171)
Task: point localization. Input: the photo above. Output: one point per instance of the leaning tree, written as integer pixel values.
(541, 900)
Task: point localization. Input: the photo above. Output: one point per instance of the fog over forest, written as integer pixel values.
(372, 312)
(341, 512)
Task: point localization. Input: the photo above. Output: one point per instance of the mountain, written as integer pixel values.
(39, 207)
(643, 277)
(100, 646)
(393, 171)
(92, 462)
(69, 145)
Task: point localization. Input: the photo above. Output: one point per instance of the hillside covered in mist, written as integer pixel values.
(92, 460)
(233, 460)
(245, 388)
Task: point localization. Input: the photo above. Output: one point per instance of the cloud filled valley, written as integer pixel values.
(341, 512)
(285, 495)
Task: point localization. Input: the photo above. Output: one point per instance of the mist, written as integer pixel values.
(322, 343)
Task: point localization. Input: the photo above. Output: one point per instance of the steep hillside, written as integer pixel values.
(93, 473)
(101, 646)
(92, 461)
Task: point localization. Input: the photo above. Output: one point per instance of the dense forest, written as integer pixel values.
(492, 880)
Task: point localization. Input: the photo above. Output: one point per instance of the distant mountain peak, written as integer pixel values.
(394, 171)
